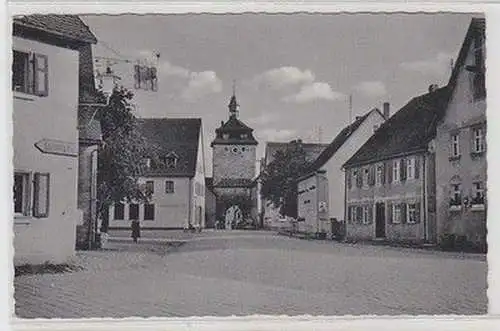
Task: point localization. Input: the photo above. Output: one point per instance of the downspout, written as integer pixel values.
(424, 199)
(345, 203)
(93, 214)
(190, 205)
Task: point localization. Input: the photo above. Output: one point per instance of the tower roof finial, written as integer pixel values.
(234, 87)
(233, 104)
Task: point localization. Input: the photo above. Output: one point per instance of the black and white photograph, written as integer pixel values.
(203, 164)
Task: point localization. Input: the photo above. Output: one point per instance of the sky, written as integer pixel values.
(293, 73)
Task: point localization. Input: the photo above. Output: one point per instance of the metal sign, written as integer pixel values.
(57, 147)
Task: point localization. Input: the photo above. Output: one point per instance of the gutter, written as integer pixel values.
(424, 199)
(389, 157)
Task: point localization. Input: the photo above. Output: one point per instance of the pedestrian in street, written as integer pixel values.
(136, 230)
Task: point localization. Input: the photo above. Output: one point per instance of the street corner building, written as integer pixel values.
(407, 183)
(234, 167)
(320, 192)
(175, 178)
(48, 83)
(461, 147)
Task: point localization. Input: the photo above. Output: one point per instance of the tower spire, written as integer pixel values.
(233, 104)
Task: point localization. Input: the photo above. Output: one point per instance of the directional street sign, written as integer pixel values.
(57, 147)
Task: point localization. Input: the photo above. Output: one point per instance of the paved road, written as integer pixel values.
(244, 273)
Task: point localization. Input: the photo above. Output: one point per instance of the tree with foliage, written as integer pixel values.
(122, 156)
(279, 178)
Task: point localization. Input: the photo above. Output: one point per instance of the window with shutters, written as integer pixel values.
(366, 177)
(411, 212)
(30, 73)
(478, 141)
(366, 215)
(22, 195)
(149, 212)
(396, 213)
(478, 198)
(133, 211)
(354, 178)
(455, 145)
(359, 214)
(150, 187)
(169, 187)
(456, 195)
(410, 168)
(396, 164)
(379, 175)
(41, 195)
(119, 211)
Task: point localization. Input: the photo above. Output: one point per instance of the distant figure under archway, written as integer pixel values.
(233, 216)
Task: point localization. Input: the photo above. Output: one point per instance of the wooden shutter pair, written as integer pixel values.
(41, 198)
(417, 212)
(371, 175)
(390, 212)
(402, 170)
(359, 178)
(417, 167)
(389, 165)
(41, 75)
(403, 213)
(370, 214)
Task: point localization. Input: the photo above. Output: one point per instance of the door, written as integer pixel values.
(380, 220)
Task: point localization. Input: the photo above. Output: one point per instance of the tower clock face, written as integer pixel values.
(235, 150)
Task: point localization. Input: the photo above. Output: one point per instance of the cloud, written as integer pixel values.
(372, 88)
(168, 69)
(201, 84)
(264, 118)
(438, 65)
(314, 91)
(284, 76)
(275, 134)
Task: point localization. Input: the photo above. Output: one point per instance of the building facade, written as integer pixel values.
(461, 145)
(176, 179)
(45, 84)
(234, 167)
(391, 178)
(327, 170)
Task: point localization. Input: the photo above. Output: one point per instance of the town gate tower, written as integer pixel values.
(234, 165)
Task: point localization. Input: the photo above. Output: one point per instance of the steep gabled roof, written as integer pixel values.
(339, 140)
(409, 130)
(173, 135)
(67, 26)
(477, 27)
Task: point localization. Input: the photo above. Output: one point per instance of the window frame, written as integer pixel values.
(379, 173)
(145, 212)
(169, 187)
(122, 211)
(456, 195)
(455, 143)
(130, 211)
(481, 191)
(476, 138)
(411, 208)
(27, 194)
(366, 177)
(396, 173)
(366, 215)
(33, 74)
(396, 220)
(410, 168)
(150, 186)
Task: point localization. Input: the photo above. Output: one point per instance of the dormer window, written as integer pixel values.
(244, 136)
(170, 160)
(225, 136)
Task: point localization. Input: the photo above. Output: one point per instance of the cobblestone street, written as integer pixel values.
(243, 273)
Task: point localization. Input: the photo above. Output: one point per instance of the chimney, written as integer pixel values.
(387, 110)
(433, 87)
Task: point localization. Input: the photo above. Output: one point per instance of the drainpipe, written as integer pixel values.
(190, 202)
(424, 199)
(345, 203)
(93, 218)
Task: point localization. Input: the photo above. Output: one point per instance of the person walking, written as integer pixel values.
(136, 230)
